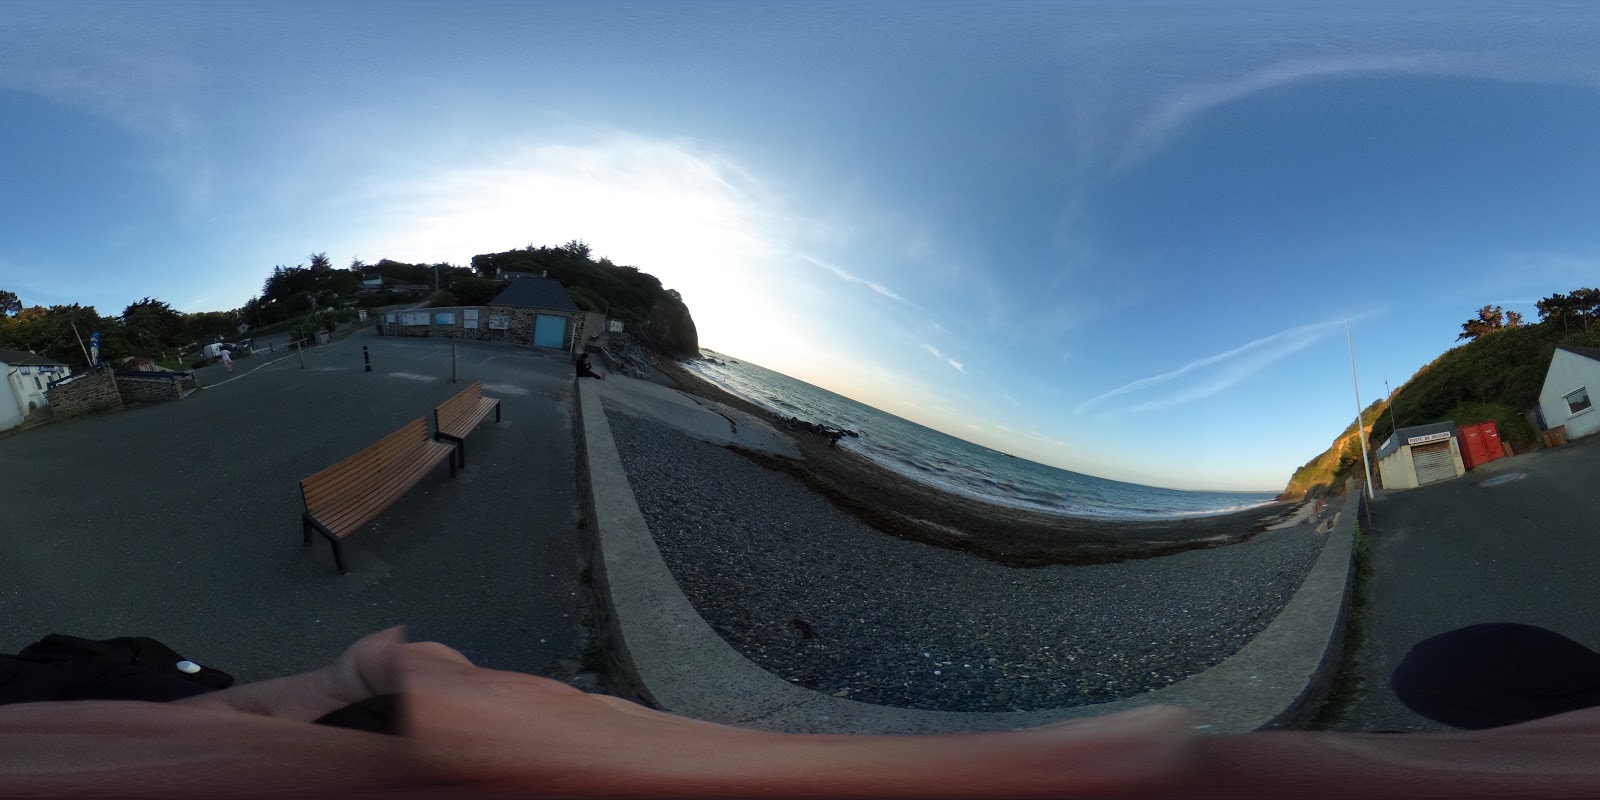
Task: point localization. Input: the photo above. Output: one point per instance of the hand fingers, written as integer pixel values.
(367, 668)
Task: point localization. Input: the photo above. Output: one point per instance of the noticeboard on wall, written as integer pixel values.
(390, 318)
(444, 318)
(469, 318)
(499, 322)
(414, 318)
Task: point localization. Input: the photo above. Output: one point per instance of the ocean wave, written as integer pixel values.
(949, 464)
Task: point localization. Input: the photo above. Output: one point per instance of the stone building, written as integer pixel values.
(530, 311)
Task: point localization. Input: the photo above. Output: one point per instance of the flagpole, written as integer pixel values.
(1360, 432)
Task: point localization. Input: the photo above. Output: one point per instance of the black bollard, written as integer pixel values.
(367, 357)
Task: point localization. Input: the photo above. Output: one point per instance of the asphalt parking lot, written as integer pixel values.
(181, 520)
(1486, 547)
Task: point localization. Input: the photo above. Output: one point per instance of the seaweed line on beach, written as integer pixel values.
(813, 595)
(903, 507)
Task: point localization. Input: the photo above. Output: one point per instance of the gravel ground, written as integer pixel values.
(811, 594)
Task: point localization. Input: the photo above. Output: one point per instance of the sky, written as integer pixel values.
(1119, 238)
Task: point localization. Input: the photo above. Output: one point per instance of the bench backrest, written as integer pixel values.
(324, 489)
(464, 402)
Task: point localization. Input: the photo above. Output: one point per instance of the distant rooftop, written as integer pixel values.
(17, 358)
(1399, 437)
(535, 293)
(1592, 353)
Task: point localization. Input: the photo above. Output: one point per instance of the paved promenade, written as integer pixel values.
(1464, 552)
(181, 520)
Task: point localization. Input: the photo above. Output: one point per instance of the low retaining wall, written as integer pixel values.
(83, 393)
(660, 651)
(150, 387)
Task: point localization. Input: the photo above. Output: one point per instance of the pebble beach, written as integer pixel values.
(814, 595)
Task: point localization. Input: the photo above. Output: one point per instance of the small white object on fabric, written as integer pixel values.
(188, 667)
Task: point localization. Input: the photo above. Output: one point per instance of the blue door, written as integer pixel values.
(549, 331)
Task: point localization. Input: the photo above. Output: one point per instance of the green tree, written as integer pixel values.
(153, 326)
(320, 263)
(10, 304)
(578, 248)
(1489, 320)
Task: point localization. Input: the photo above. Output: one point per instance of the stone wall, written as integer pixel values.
(150, 387)
(85, 392)
(518, 330)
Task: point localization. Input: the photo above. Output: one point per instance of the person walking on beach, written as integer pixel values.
(586, 371)
(227, 358)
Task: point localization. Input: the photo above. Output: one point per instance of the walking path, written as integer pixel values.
(181, 520)
(1485, 547)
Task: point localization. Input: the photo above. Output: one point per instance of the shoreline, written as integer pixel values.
(905, 508)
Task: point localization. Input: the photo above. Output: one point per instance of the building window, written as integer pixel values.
(1577, 401)
(37, 384)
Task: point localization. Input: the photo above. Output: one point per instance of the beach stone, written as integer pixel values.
(755, 550)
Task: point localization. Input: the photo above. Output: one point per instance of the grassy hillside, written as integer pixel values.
(1495, 377)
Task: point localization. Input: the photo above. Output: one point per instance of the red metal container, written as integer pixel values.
(1480, 444)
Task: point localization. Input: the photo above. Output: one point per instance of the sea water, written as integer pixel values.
(958, 466)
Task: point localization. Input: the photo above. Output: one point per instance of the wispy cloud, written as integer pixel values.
(1215, 373)
(1183, 106)
(954, 364)
(850, 278)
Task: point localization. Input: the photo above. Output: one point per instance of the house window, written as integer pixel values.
(37, 384)
(1577, 401)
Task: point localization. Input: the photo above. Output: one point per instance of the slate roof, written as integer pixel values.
(535, 293)
(17, 358)
(1592, 353)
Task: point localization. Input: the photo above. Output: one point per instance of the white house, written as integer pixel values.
(1569, 386)
(27, 378)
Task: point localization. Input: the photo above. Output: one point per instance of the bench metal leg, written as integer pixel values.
(338, 554)
(307, 522)
(459, 457)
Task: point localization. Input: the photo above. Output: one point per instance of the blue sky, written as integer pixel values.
(1118, 238)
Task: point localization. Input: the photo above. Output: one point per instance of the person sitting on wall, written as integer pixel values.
(586, 371)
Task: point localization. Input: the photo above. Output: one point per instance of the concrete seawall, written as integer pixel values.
(662, 652)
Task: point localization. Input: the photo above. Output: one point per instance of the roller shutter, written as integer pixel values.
(1434, 462)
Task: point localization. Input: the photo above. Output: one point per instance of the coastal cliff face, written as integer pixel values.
(1495, 377)
(655, 315)
(1326, 473)
(671, 329)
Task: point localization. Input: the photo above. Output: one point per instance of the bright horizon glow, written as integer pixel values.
(1117, 244)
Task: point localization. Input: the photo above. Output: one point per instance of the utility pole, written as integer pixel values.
(1392, 422)
(86, 358)
(1360, 432)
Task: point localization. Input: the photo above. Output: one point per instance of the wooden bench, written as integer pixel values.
(344, 497)
(455, 418)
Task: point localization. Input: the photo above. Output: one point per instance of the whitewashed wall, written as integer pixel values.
(1569, 371)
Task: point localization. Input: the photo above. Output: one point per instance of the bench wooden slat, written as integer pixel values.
(374, 455)
(463, 421)
(352, 517)
(362, 469)
(381, 483)
(337, 477)
(341, 499)
(457, 416)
